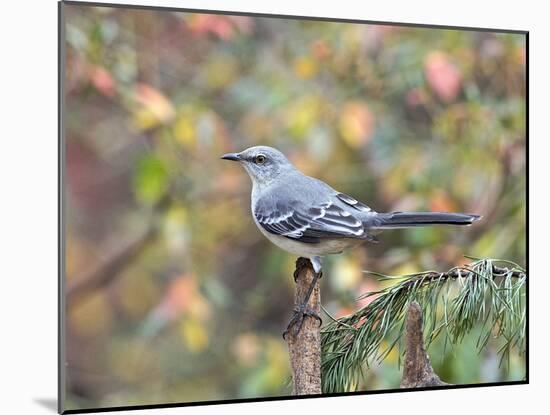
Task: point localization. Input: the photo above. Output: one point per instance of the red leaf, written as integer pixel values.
(442, 75)
(103, 81)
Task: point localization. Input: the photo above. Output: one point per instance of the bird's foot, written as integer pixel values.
(297, 320)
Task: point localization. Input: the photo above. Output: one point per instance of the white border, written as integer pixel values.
(28, 186)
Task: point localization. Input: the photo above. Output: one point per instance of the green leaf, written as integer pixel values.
(150, 180)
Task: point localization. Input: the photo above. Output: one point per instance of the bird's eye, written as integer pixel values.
(260, 159)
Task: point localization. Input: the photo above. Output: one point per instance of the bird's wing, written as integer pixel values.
(350, 201)
(308, 224)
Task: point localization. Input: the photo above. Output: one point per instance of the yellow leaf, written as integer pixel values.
(348, 274)
(305, 67)
(221, 71)
(194, 335)
(178, 214)
(144, 119)
(175, 229)
(154, 108)
(184, 130)
(302, 115)
(356, 123)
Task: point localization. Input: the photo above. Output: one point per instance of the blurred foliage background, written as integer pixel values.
(173, 294)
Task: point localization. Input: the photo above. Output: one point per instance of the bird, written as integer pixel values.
(306, 217)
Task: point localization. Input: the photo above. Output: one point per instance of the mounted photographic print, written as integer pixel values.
(258, 207)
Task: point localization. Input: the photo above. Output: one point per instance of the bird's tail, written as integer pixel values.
(396, 220)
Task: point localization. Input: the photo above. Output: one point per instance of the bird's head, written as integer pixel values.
(262, 163)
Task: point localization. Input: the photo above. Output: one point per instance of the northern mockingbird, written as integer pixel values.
(307, 217)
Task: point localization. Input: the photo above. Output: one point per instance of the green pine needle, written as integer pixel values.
(481, 293)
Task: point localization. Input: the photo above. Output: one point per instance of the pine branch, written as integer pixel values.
(486, 292)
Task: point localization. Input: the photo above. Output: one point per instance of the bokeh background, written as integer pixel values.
(173, 295)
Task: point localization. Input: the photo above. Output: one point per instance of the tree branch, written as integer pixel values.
(418, 370)
(106, 271)
(305, 347)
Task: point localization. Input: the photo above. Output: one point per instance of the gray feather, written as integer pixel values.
(412, 219)
(309, 210)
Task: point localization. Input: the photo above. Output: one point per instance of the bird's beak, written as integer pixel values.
(232, 156)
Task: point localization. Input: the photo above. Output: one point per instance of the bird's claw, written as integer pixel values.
(297, 320)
